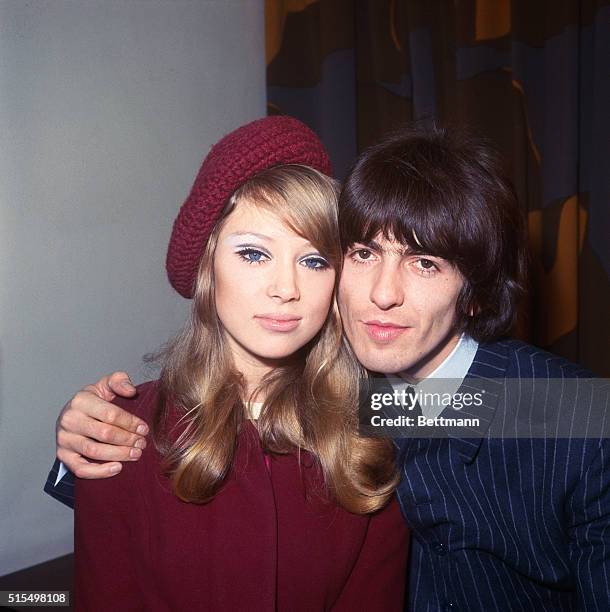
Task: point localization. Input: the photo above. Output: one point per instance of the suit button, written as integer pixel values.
(449, 607)
(439, 548)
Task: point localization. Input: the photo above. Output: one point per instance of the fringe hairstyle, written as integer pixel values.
(310, 401)
(445, 192)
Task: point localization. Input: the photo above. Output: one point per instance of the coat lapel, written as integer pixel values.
(485, 376)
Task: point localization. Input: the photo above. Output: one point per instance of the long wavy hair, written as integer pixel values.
(310, 401)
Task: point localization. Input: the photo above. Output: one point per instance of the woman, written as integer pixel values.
(259, 494)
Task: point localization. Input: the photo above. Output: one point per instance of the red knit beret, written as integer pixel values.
(254, 147)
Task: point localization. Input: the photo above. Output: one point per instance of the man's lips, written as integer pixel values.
(278, 322)
(383, 331)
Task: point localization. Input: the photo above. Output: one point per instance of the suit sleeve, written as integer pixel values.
(103, 545)
(378, 579)
(63, 491)
(589, 513)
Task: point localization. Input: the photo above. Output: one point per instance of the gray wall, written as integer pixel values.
(106, 110)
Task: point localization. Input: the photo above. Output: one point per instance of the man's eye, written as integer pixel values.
(252, 256)
(315, 263)
(362, 255)
(426, 267)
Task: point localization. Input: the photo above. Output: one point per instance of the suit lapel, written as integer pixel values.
(485, 376)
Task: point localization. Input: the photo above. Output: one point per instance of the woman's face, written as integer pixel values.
(273, 289)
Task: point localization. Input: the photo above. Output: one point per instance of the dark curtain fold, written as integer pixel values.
(532, 77)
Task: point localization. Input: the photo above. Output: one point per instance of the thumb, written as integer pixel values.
(120, 384)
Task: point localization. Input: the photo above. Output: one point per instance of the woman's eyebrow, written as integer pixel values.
(250, 234)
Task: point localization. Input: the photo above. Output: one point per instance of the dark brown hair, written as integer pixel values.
(443, 193)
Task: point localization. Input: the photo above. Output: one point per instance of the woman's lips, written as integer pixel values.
(278, 322)
(383, 332)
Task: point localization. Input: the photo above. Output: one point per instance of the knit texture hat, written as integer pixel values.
(254, 147)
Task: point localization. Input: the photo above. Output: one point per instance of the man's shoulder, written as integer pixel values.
(547, 393)
(525, 360)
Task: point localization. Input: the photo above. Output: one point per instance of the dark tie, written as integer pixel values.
(416, 410)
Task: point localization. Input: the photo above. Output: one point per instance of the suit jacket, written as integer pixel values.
(507, 524)
(64, 490)
(269, 540)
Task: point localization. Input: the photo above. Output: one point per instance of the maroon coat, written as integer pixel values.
(268, 540)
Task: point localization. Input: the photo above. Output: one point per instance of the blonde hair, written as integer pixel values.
(310, 401)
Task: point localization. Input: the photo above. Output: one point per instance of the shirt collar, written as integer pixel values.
(456, 365)
(452, 370)
(458, 362)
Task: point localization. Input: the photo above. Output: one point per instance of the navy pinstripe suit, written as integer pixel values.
(64, 491)
(501, 524)
(508, 524)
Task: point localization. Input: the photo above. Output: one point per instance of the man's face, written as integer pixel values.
(398, 308)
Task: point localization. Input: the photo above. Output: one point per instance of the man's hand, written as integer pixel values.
(89, 427)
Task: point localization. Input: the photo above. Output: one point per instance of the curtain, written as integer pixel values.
(532, 77)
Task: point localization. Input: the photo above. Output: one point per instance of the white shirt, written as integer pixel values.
(452, 371)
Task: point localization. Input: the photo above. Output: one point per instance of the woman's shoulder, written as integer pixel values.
(116, 494)
(143, 403)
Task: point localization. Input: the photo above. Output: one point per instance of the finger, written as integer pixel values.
(92, 450)
(93, 406)
(111, 385)
(76, 423)
(120, 384)
(101, 388)
(82, 468)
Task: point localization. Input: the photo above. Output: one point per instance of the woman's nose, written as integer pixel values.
(284, 284)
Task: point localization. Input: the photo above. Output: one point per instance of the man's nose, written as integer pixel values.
(284, 282)
(387, 290)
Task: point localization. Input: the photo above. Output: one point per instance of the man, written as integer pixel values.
(434, 262)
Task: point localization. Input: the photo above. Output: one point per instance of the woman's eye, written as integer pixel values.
(252, 256)
(315, 263)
